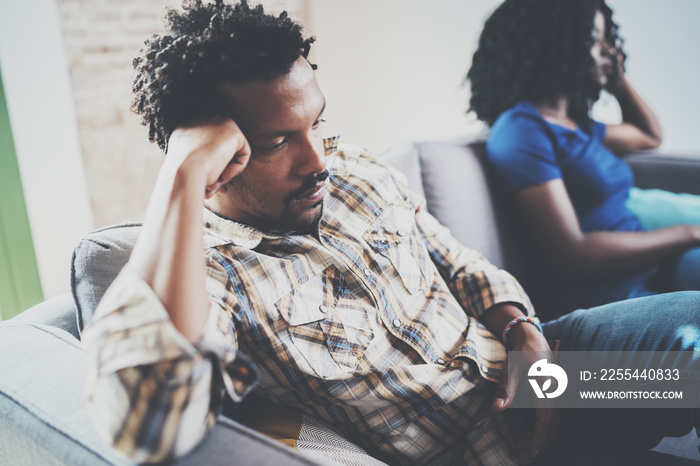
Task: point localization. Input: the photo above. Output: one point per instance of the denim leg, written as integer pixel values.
(665, 322)
(668, 322)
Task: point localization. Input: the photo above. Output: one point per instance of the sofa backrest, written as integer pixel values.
(459, 191)
(98, 258)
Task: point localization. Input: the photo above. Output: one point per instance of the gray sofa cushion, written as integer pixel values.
(456, 185)
(404, 157)
(42, 405)
(97, 260)
(453, 177)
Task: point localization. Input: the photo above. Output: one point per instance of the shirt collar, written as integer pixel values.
(220, 230)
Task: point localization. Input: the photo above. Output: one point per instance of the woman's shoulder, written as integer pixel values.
(521, 148)
(522, 109)
(521, 124)
(521, 118)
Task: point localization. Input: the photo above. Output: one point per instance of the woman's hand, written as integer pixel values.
(618, 60)
(640, 129)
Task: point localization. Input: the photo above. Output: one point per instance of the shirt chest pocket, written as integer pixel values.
(394, 236)
(329, 331)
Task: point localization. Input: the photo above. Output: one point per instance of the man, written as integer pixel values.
(352, 302)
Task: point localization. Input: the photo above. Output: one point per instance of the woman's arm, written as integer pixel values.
(551, 217)
(639, 129)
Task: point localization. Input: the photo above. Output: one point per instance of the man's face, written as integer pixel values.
(280, 187)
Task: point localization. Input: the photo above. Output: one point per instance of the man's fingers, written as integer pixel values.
(545, 427)
(505, 391)
(539, 433)
(234, 168)
(237, 164)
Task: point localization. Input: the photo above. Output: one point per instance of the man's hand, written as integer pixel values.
(525, 337)
(216, 148)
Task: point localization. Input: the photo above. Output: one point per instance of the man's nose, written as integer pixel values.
(311, 157)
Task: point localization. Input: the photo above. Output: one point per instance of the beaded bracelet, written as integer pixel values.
(515, 322)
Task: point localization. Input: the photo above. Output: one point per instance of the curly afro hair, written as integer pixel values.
(177, 70)
(538, 51)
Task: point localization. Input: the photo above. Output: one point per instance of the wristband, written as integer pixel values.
(515, 322)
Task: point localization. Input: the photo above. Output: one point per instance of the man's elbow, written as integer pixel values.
(146, 444)
(148, 429)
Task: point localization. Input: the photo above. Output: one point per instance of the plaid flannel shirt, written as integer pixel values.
(371, 325)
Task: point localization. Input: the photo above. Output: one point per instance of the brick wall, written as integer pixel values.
(102, 37)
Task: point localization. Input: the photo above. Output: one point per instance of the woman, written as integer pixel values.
(539, 67)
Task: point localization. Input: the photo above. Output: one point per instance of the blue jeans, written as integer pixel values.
(668, 322)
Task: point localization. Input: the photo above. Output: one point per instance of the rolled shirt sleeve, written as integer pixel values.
(153, 394)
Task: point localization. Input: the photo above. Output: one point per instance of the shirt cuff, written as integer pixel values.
(132, 328)
(484, 289)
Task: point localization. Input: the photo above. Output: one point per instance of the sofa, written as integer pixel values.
(43, 414)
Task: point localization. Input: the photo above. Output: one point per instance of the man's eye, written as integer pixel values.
(274, 147)
(318, 122)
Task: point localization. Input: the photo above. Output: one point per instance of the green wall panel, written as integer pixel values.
(20, 287)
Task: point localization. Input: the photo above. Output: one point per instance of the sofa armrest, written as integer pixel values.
(675, 173)
(56, 312)
(97, 259)
(44, 417)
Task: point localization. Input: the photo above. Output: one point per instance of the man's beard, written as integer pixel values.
(300, 225)
(308, 226)
(288, 220)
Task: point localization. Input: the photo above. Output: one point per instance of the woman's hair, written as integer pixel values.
(538, 50)
(178, 71)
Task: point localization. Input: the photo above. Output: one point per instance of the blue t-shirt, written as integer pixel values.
(525, 150)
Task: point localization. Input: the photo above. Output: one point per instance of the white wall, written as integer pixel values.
(37, 88)
(393, 69)
(662, 40)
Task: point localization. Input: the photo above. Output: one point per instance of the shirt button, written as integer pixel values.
(396, 323)
(401, 232)
(440, 361)
(323, 308)
(367, 272)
